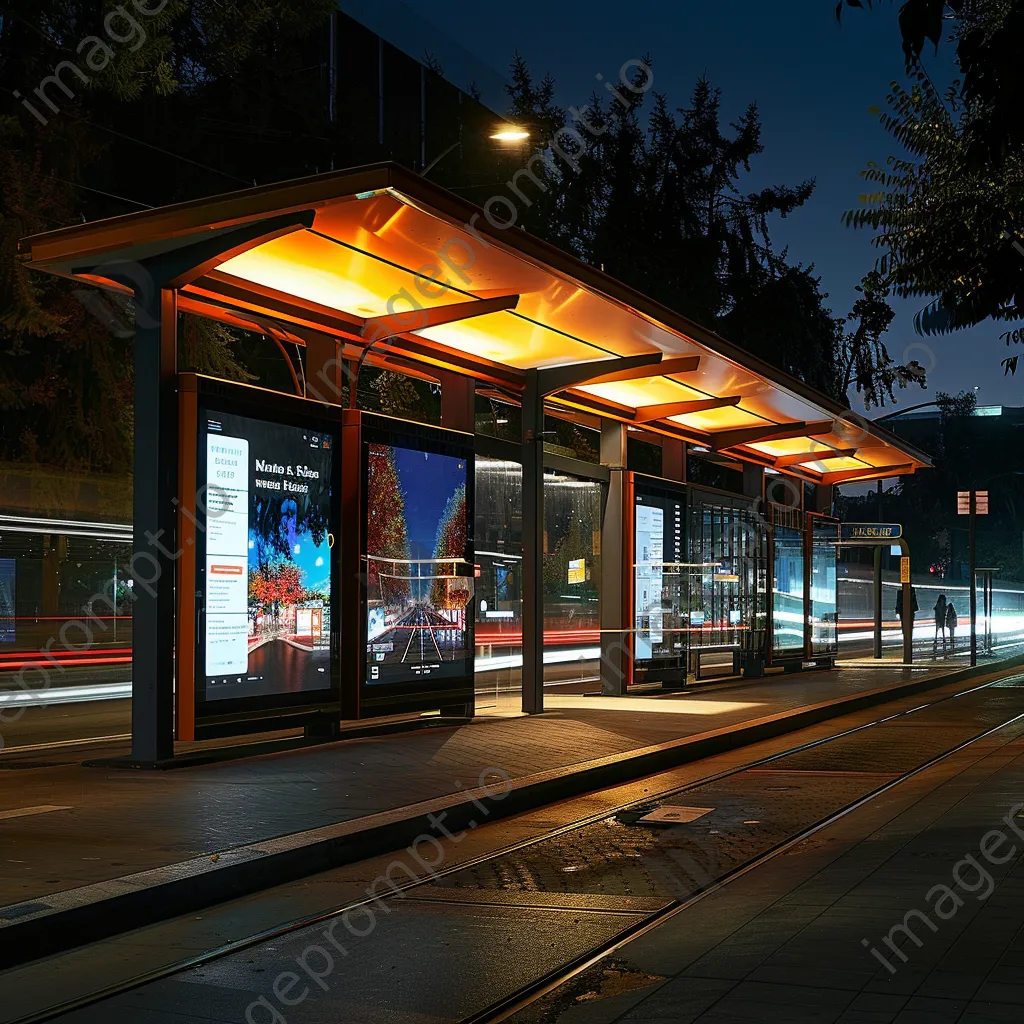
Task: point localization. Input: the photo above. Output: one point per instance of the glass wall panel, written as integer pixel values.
(788, 583)
(824, 595)
(726, 593)
(572, 581)
(499, 553)
(67, 594)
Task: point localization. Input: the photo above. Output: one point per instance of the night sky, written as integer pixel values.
(813, 81)
(427, 481)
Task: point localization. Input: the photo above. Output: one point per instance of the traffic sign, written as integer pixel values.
(963, 503)
(905, 569)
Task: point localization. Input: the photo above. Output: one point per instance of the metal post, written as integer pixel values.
(458, 412)
(878, 602)
(332, 74)
(533, 545)
(908, 624)
(154, 519)
(615, 635)
(974, 593)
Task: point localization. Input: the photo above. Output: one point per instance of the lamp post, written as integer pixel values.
(505, 134)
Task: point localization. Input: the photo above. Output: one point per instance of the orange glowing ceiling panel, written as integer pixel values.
(720, 419)
(419, 240)
(509, 339)
(409, 236)
(788, 446)
(646, 391)
(835, 465)
(310, 267)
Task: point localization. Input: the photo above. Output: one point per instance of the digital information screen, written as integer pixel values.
(267, 565)
(417, 603)
(657, 576)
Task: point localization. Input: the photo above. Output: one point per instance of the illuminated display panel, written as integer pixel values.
(419, 576)
(265, 569)
(659, 544)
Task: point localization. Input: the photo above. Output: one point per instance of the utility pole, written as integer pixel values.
(972, 562)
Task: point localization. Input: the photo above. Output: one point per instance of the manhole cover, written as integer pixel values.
(674, 815)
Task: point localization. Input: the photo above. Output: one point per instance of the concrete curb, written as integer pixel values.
(75, 917)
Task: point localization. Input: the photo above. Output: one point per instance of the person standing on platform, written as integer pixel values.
(951, 625)
(940, 620)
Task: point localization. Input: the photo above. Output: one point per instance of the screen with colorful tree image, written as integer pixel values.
(416, 597)
(267, 568)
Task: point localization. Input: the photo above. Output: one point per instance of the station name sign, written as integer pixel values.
(870, 531)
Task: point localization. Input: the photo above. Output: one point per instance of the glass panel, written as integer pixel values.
(788, 585)
(497, 417)
(572, 582)
(563, 437)
(499, 553)
(824, 595)
(67, 595)
(725, 603)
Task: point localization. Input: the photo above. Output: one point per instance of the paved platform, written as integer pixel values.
(906, 910)
(74, 839)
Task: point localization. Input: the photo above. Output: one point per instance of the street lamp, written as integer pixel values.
(511, 133)
(505, 134)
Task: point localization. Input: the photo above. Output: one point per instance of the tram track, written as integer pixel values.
(508, 1006)
(526, 994)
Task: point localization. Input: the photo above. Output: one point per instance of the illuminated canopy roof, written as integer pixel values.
(378, 253)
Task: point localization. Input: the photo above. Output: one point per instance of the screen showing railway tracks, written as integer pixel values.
(419, 583)
(266, 574)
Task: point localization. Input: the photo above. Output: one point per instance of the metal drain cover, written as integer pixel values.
(673, 815)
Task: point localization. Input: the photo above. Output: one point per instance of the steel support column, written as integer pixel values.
(616, 639)
(458, 412)
(154, 525)
(533, 544)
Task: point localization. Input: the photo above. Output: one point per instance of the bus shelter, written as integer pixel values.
(278, 578)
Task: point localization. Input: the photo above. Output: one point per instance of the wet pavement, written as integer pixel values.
(785, 934)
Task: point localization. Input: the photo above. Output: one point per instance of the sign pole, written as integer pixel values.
(878, 602)
(906, 596)
(974, 594)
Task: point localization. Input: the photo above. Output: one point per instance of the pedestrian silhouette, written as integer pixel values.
(940, 619)
(951, 624)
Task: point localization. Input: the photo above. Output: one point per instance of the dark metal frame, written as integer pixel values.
(226, 716)
(362, 699)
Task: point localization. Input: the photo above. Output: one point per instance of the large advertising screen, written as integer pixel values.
(658, 581)
(419, 584)
(266, 571)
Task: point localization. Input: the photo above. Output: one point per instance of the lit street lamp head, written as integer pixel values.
(511, 133)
